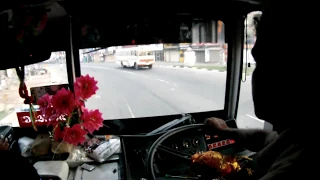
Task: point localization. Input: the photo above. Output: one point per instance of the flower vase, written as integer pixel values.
(61, 147)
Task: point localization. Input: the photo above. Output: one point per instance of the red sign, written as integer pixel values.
(25, 120)
(146, 60)
(220, 144)
(214, 145)
(207, 137)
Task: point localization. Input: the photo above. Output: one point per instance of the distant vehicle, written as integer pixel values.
(38, 70)
(137, 56)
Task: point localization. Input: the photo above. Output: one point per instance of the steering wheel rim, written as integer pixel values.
(155, 145)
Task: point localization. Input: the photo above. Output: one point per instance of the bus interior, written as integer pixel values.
(153, 145)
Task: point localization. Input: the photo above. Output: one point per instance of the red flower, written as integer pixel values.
(44, 101)
(45, 104)
(74, 135)
(51, 114)
(63, 109)
(57, 133)
(47, 110)
(79, 102)
(85, 87)
(63, 102)
(92, 120)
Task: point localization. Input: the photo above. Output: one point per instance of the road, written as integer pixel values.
(164, 90)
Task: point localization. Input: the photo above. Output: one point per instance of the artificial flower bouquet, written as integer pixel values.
(71, 121)
(214, 165)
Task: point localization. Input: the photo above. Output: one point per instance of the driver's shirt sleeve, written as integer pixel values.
(285, 158)
(293, 163)
(14, 166)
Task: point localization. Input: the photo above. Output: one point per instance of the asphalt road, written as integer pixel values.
(164, 90)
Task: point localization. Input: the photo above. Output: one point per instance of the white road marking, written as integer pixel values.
(127, 72)
(99, 67)
(262, 121)
(129, 108)
(163, 81)
(109, 69)
(172, 89)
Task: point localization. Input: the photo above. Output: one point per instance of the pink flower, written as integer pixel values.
(74, 135)
(85, 87)
(63, 102)
(92, 120)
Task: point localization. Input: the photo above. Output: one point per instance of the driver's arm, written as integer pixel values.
(251, 139)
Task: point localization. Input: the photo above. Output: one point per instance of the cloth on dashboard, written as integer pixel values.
(283, 158)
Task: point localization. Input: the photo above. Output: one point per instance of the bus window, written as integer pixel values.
(145, 53)
(246, 117)
(149, 53)
(50, 72)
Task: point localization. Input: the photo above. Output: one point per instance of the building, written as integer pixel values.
(208, 52)
(171, 53)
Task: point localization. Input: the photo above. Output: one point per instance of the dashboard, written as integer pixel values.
(173, 155)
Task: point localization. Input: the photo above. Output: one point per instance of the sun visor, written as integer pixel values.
(12, 57)
(23, 37)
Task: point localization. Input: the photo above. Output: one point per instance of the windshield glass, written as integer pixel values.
(50, 72)
(172, 79)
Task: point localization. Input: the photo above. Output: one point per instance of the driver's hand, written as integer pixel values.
(216, 123)
(4, 145)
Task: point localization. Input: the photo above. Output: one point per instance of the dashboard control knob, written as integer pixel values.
(175, 146)
(195, 142)
(186, 144)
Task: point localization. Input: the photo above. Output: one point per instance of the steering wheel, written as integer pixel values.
(157, 143)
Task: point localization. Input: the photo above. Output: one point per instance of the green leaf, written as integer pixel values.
(32, 117)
